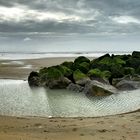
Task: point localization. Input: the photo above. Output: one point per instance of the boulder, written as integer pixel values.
(68, 64)
(94, 73)
(83, 81)
(81, 59)
(128, 85)
(75, 87)
(133, 62)
(78, 76)
(34, 79)
(83, 67)
(95, 88)
(60, 83)
(136, 54)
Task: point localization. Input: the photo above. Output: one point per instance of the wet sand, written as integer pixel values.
(118, 127)
(20, 69)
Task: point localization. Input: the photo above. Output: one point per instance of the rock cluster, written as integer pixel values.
(98, 77)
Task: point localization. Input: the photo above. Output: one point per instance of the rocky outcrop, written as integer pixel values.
(98, 77)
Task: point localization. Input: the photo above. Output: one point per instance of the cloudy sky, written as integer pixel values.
(100, 20)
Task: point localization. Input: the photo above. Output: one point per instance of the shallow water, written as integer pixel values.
(18, 99)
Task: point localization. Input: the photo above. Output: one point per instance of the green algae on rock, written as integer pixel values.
(107, 70)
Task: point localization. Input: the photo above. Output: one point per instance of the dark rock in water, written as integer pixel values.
(34, 79)
(95, 88)
(75, 87)
(59, 83)
(128, 85)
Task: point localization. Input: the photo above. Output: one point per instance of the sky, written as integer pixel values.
(67, 25)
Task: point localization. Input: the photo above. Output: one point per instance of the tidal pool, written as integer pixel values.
(18, 99)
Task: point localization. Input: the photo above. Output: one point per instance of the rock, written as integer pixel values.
(60, 83)
(75, 87)
(104, 81)
(129, 70)
(133, 62)
(95, 88)
(94, 73)
(34, 79)
(81, 59)
(134, 77)
(78, 75)
(83, 67)
(138, 70)
(136, 54)
(68, 64)
(83, 81)
(128, 85)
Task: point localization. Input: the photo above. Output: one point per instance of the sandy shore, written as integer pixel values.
(119, 127)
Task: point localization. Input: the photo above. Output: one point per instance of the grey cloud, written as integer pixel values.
(96, 15)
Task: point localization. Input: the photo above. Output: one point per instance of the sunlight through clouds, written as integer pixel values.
(126, 20)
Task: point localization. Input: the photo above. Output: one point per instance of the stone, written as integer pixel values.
(34, 79)
(128, 85)
(75, 87)
(95, 88)
(60, 83)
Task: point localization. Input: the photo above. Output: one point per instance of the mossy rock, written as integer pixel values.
(43, 70)
(34, 79)
(106, 74)
(136, 54)
(97, 73)
(68, 64)
(138, 70)
(81, 59)
(66, 71)
(83, 67)
(96, 61)
(54, 73)
(117, 71)
(78, 75)
(94, 73)
(118, 61)
(133, 62)
(129, 70)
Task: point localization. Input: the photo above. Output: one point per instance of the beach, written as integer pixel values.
(117, 127)
(20, 69)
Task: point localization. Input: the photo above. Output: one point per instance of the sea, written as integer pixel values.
(34, 55)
